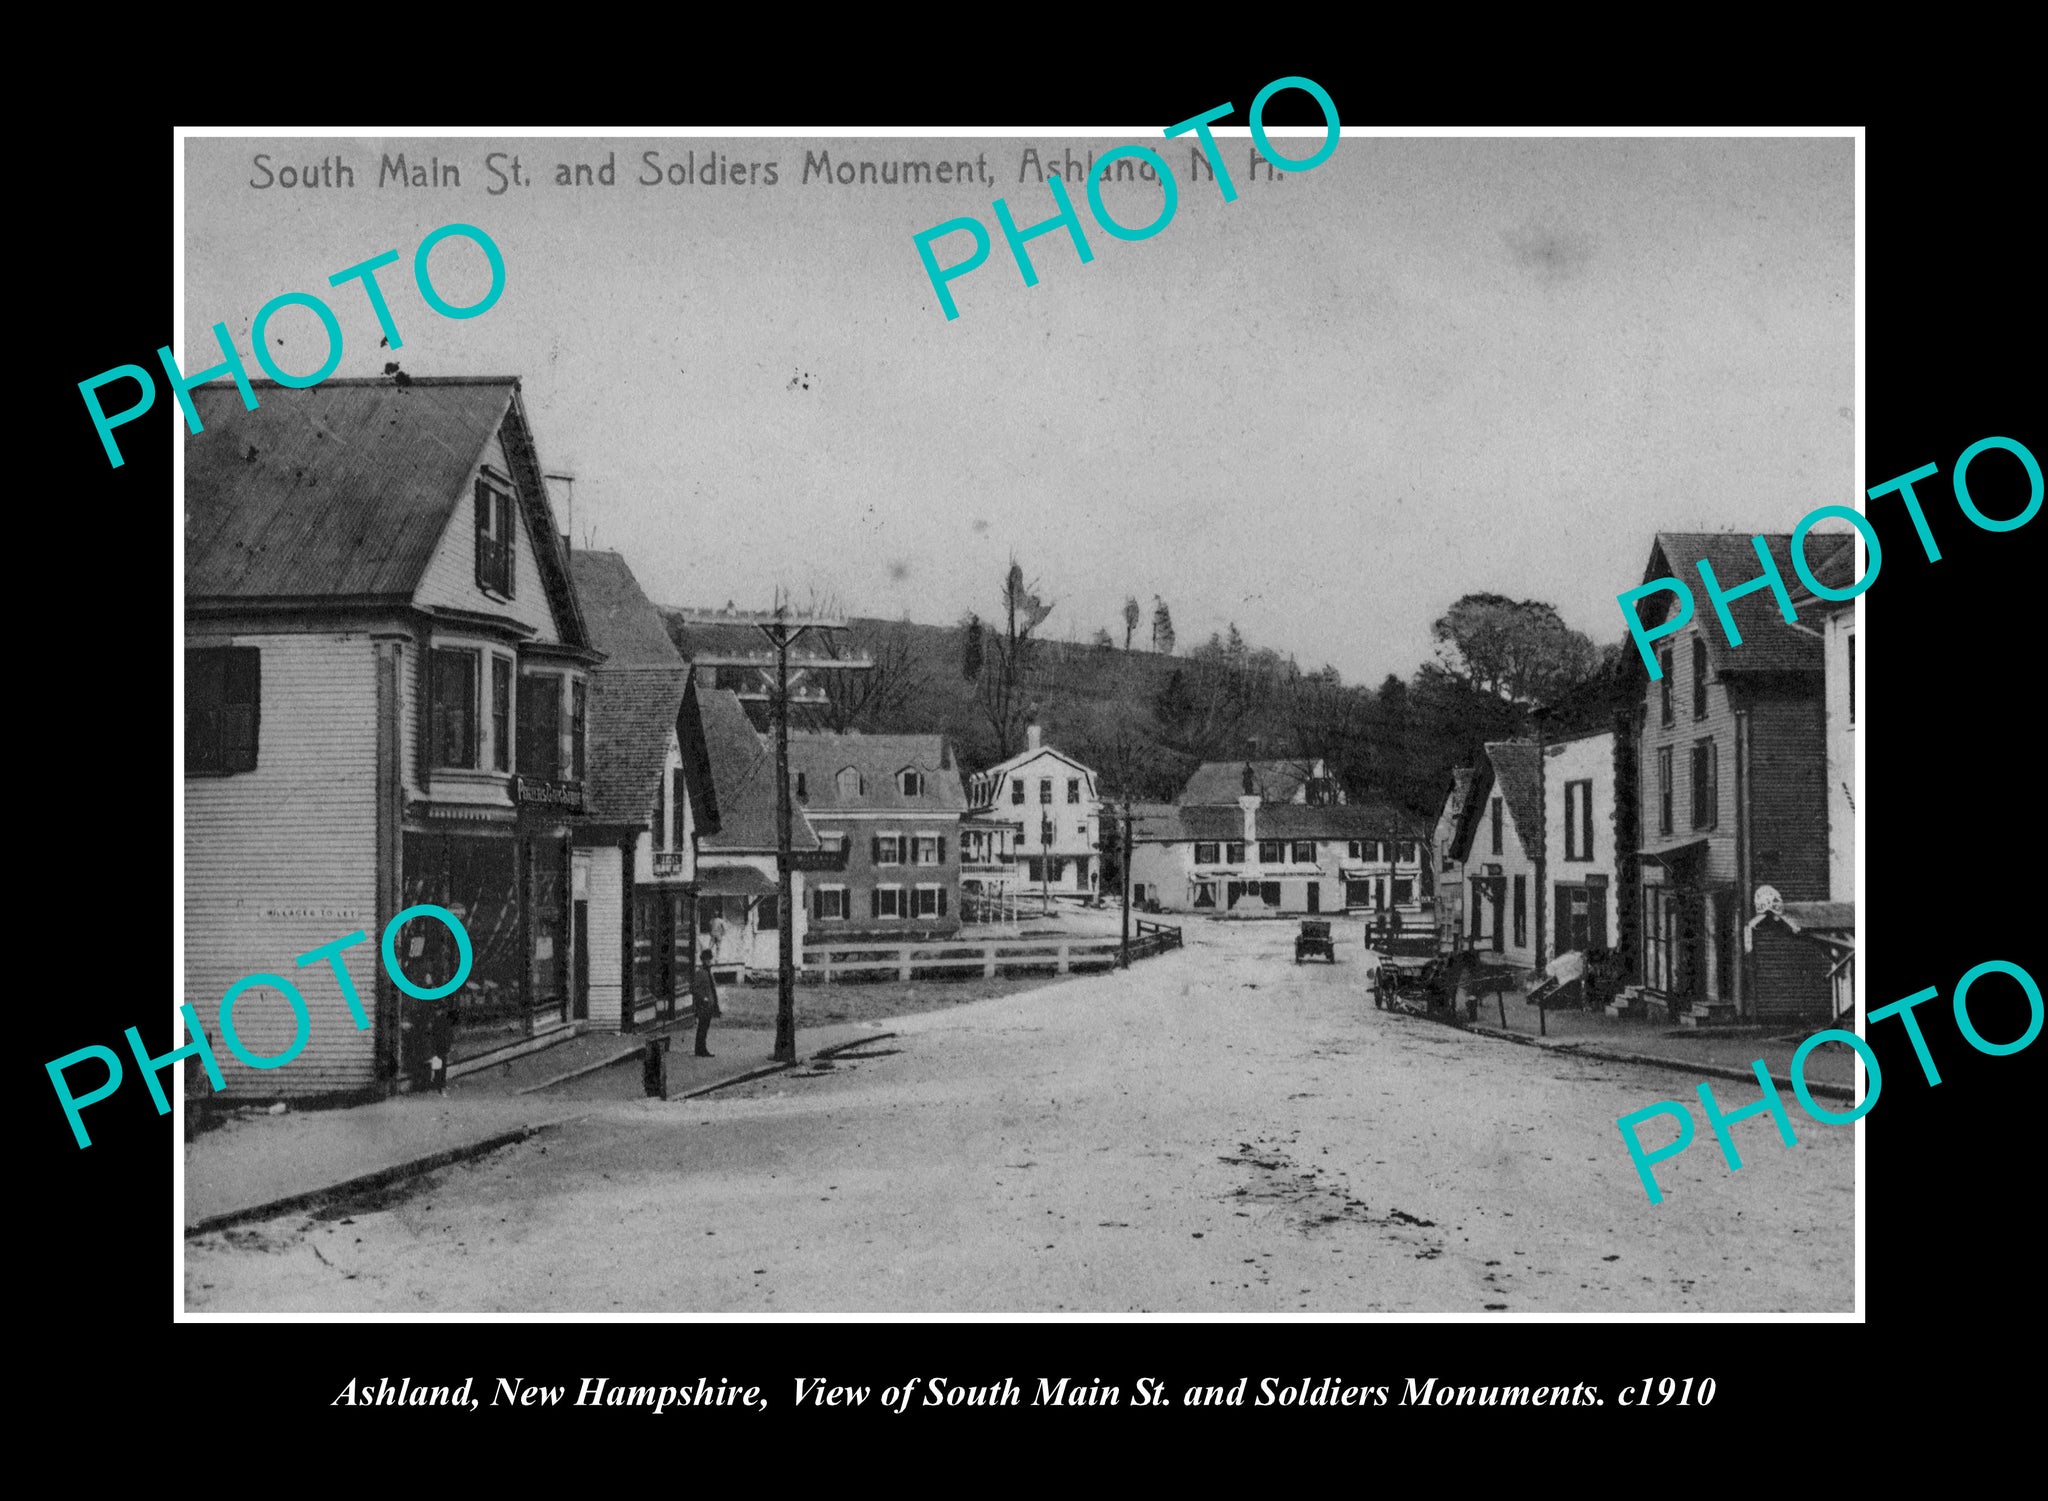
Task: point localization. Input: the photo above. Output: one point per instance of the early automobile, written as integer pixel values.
(1314, 938)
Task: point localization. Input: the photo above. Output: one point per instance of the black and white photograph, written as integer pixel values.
(744, 757)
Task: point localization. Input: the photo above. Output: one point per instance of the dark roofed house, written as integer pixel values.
(648, 801)
(387, 681)
(1499, 845)
(1222, 783)
(738, 911)
(1254, 858)
(1732, 774)
(894, 804)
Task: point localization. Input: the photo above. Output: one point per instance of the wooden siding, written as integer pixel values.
(1791, 980)
(1788, 797)
(282, 860)
(1680, 736)
(862, 875)
(450, 578)
(1587, 759)
(607, 918)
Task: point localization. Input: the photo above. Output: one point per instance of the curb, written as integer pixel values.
(1651, 1060)
(362, 1183)
(776, 1068)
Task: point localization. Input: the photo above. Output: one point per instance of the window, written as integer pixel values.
(454, 708)
(888, 849)
(1404, 890)
(1206, 854)
(1664, 790)
(540, 726)
(1521, 912)
(832, 903)
(223, 692)
(1852, 679)
(910, 783)
(1205, 894)
(1705, 785)
(1496, 825)
(1578, 820)
(1358, 893)
(768, 914)
(1304, 852)
(496, 529)
(1367, 850)
(678, 802)
(1271, 852)
(803, 793)
(578, 719)
(1016, 792)
(501, 713)
(1665, 715)
(1699, 677)
(1034, 869)
(1045, 789)
(1233, 853)
(928, 901)
(928, 849)
(1405, 852)
(850, 784)
(887, 901)
(1073, 789)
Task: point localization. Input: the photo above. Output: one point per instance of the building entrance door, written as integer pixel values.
(1315, 896)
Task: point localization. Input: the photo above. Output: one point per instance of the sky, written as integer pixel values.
(1322, 412)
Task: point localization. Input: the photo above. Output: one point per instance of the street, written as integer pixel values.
(1216, 1130)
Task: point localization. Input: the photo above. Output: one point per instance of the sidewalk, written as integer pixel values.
(1597, 1033)
(253, 1166)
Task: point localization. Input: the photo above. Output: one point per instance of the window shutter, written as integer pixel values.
(942, 901)
(874, 901)
(942, 857)
(875, 849)
(482, 507)
(508, 540)
(423, 714)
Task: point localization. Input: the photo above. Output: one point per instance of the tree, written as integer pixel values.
(1162, 627)
(1132, 615)
(1517, 650)
(878, 698)
(1107, 642)
(999, 659)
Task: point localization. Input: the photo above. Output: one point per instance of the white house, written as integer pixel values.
(1500, 846)
(1050, 804)
(1256, 858)
(1579, 856)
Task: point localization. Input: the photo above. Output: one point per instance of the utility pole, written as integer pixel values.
(1126, 952)
(782, 629)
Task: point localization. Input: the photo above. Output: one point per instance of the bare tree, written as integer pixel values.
(999, 658)
(1132, 615)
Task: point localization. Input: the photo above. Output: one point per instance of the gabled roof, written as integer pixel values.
(1769, 644)
(1032, 754)
(623, 622)
(633, 711)
(1478, 792)
(1518, 772)
(1208, 823)
(636, 696)
(878, 758)
(1221, 783)
(743, 779)
(343, 490)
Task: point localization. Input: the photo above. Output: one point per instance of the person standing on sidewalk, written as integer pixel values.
(705, 1000)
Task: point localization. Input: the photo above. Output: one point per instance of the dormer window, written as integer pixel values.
(910, 782)
(850, 784)
(496, 536)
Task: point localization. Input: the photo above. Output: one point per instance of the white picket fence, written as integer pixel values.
(988, 959)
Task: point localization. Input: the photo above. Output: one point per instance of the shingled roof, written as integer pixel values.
(743, 780)
(878, 758)
(623, 622)
(1221, 783)
(1769, 644)
(1209, 823)
(1518, 772)
(342, 491)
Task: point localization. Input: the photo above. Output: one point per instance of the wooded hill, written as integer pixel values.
(1144, 720)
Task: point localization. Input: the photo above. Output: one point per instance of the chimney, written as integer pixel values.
(1033, 737)
(1249, 806)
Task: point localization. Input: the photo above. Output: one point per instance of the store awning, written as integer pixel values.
(1678, 854)
(733, 880)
